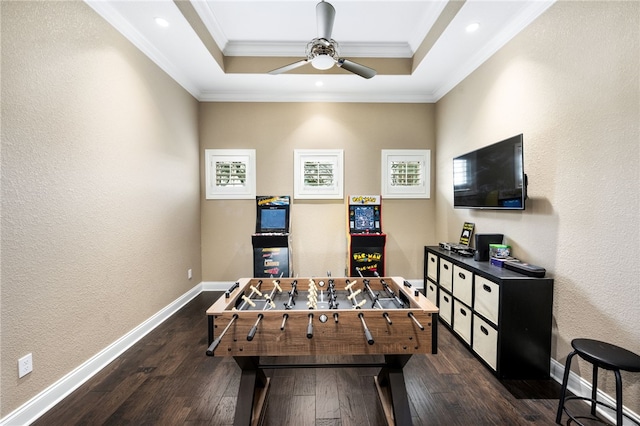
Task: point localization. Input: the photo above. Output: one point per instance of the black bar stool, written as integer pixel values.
(601, 355)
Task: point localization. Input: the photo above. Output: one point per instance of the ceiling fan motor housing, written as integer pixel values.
(322, 53)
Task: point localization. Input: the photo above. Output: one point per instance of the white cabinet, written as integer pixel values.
(432, 292)
(487, 299)
(446, 275)
(485, 341)
(432, 267)
(462, 320)
(462, 284)
(445, 306)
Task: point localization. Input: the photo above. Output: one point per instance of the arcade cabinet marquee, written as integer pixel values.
(271, 248)
(366, 239)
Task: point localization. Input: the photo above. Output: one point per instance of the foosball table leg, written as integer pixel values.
(391, 379)
(209, 329)
(252, 393)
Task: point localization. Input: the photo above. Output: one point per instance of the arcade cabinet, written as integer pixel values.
(366, 240)
(271, 243)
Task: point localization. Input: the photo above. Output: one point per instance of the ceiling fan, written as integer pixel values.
(322, 52)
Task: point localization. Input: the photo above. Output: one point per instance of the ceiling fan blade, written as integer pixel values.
(355, 68)
(325, 14)
(289, 67)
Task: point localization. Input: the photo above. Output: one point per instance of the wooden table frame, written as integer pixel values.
(396, 342)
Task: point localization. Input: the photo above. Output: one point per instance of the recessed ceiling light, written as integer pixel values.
(161, 22)
(472, 27)
(319, 83)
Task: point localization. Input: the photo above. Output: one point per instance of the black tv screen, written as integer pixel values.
(273, 220)
(491, 177)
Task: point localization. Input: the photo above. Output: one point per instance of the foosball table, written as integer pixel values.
(322, 316)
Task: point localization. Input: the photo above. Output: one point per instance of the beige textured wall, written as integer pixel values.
(570, 83)
(100, 191)
(318, 227)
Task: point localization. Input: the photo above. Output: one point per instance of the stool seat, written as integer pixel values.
(600, 355)
(606, 355)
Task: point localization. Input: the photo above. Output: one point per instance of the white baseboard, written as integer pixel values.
(580, 387)
(45, 400)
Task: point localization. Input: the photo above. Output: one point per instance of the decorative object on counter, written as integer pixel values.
(525, 268)
(499, 251)
(467, 232)
(482, 245)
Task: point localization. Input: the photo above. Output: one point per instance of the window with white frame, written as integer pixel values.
(230, 173)
(406, 173)
(318, 173)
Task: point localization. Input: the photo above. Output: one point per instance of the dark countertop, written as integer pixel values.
(484, 268)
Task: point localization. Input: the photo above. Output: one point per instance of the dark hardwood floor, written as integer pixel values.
(166, 379)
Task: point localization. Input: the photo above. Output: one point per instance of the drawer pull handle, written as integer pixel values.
(461, 275)
(463, 312)
(486, 288)
(446, 299)
(484, 330)
(432, 259)
(445, 266)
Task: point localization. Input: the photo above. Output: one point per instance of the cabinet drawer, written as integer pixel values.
(445, 307)
(462, 284)
(446, 272)
(487, 299)
(485, 341)
(432, 292)
(432, 266)
(462, 320)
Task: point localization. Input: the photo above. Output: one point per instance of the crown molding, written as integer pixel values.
(338, 97)
(211, 22)
(113, 17)
(528, 15)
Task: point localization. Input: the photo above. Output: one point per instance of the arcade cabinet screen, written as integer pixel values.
(364, 218)
(273, 220)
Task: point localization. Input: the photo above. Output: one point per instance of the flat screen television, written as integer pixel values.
(491, 177)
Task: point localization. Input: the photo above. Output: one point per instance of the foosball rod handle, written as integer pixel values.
(310, 327)
(253, 330)
(212, 347)
(367, 333)
(284, 320)
(415, 320)
(386, 316)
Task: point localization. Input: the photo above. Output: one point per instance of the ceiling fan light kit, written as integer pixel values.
(322, 52)
(322, 62)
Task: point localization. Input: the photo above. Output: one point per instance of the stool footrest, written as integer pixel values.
(590, 416)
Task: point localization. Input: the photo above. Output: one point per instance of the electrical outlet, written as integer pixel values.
(25, 365)
(189, 273)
